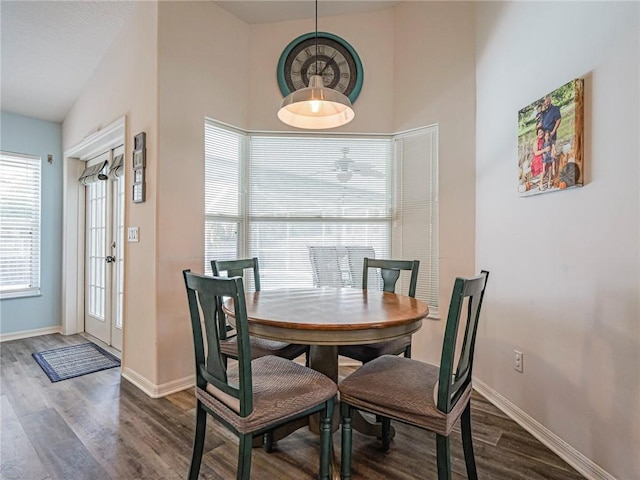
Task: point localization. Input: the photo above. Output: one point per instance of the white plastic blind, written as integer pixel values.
(224, 149)
(283, 195)
(417, 162)
(19, 225)
(306, 192)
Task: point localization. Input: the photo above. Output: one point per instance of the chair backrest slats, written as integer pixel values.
(325, 266)
(196, 326)
(355, 258)
(206, 294)
(450, 386)
(236, 268)
(390, 272)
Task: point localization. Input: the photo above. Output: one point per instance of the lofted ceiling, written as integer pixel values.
(50, 49)
(268, 11)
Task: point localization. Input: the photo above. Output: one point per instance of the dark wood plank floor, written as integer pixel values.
(100, 426)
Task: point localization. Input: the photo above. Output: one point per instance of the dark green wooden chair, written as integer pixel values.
(421, 394)
(254, 396)
(389, 274)
(259, 346)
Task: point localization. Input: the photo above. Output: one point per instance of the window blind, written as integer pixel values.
(224, 149)
(94, 173)
(305, 203)
(116, 169)
(306, 192)
(416, 155)
(19, 225)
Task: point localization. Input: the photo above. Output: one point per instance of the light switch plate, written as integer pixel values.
(518, 358)
(133, 234)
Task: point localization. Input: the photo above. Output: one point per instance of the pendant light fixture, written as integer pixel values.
(316, 106)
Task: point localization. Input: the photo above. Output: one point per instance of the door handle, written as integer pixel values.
(110, 259)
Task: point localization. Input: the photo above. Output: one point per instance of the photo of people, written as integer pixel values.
(550, 141)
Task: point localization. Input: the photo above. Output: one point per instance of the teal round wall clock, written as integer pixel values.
(337, 62)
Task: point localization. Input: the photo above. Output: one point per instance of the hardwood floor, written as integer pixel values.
(100, 426)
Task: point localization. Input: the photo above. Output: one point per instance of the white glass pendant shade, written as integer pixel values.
(316, 107)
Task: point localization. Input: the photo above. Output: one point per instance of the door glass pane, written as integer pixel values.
(96, 248)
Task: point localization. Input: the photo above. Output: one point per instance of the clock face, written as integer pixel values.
(336, 61)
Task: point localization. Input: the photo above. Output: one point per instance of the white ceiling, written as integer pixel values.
(270, 11)
(50, 49)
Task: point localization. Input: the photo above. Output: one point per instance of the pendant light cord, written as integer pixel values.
(316, 37)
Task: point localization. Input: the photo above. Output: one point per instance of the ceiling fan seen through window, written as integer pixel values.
(346, 167)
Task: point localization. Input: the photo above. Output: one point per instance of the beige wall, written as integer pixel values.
(203, 70)
(371, 35)
(174, 64)
(434, 83)
(565, 273)
(125, 84)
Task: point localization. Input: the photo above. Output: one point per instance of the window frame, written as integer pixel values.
(396, 247)
(31, 268)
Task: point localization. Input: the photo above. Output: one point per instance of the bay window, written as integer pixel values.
(282, 197)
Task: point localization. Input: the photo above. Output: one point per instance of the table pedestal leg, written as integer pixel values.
(324, 359)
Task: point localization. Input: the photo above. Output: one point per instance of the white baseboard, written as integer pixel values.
(6, 337)
(157, 391)
(577, 460)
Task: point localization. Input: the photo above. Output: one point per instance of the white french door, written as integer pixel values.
(104, 253)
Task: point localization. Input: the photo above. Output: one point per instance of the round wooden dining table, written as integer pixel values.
(325, 318)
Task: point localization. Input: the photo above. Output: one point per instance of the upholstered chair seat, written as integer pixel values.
(281, 389)
(261, 347)
(401, 389)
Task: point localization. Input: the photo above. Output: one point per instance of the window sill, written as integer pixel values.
(434, 315)
(20, 294)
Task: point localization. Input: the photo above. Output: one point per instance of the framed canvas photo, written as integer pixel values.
(550, 141)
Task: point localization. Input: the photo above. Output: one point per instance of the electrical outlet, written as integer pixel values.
(517, 360)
